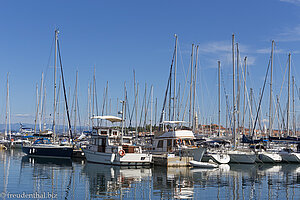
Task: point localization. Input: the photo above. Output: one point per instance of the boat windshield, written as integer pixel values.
(42, 141)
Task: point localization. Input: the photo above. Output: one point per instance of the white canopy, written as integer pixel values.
(178, 134)
(173, 122)
(109, 118)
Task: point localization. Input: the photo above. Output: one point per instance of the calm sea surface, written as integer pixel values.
(37, 178)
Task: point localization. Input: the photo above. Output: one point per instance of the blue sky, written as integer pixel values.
(121, 36)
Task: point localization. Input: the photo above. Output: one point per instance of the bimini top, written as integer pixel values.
(109, 118)
(178, 134)
(173, 122)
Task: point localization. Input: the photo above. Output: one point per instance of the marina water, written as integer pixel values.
(48, 178)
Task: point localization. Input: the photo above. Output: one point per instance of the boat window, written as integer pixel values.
(160, 144)
(169, 143)
(187, 142)
(126, 140)
(103, 132)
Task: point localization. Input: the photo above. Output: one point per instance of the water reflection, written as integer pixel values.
(76, 180)
(46, 162)
(113, 181)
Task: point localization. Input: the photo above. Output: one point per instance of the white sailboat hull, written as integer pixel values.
(242, 157)
(220, 158)
(116, 159)
(290, 157)
(267, 157)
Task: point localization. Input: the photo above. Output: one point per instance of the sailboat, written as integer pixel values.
(43, 146)
(238, 155)
(6, 141)
(288, 154)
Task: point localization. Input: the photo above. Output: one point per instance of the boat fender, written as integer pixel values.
(122, 152)
(178, 141)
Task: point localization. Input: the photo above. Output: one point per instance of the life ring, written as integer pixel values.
(122, 152)
(178, 141)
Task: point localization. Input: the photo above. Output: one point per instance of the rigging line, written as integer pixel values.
(96, 99)
(78, 112)
(294, 69)
(297, 91)
(66, 101)
(206, 87)
(188, 100)
(166, 93)
(226, 96)
(255, 106)
(57, 100)
(248, 96)
(49, 59)
(135, 105)
(140, 124)
(72, 106)
(282, 114)
(262, 93)
(128, 108)
(185, 77)
(104, 101)
(185, 107)
(283, 79)
(146, 108)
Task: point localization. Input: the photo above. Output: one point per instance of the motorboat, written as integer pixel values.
(108, 145)
(176, 147)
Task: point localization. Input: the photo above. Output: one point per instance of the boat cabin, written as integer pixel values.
(172, 140)
(108, 140)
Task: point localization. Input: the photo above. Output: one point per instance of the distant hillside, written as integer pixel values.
(16, 127)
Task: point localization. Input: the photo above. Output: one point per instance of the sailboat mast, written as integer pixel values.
(191, 88)
(41, 102)
(271, 91)
(219, 99)
(244, 104)
(238, 86)
(233, 94)
(75, 111)
(288, 103)
(174, 86)
(194, 95)
(54, 101)
(294, 114)
(135, 97)
(6, 108)
(151, 105)
(250, 113)
(37, 107)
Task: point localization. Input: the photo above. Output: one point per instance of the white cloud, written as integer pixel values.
(289, 34)
(22, 115)
(222, 50)
(296, 2)
(250, 60)
(216, 46)
(268, 51)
